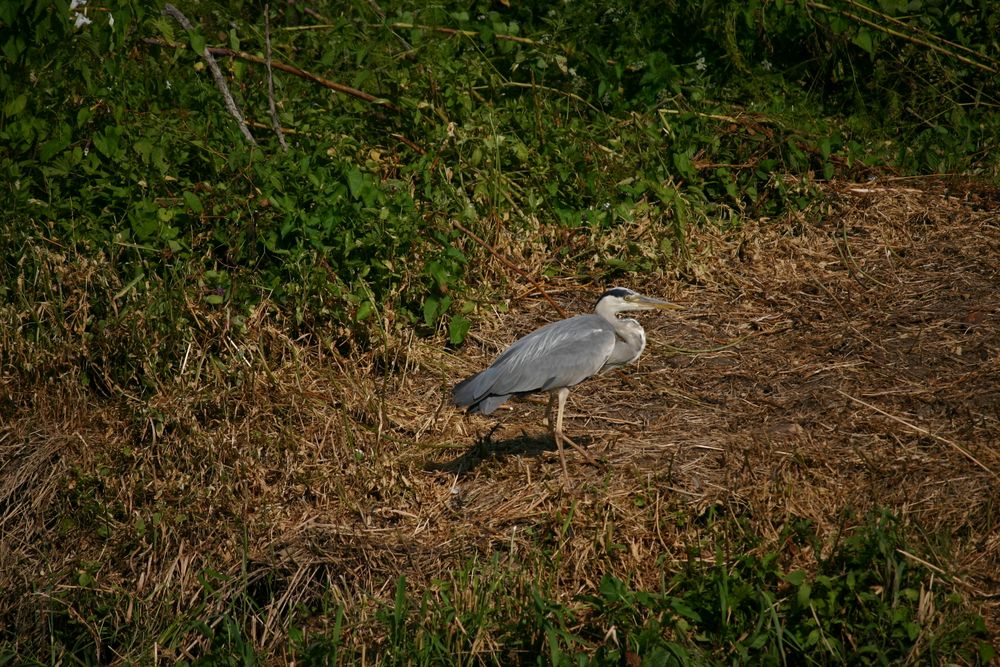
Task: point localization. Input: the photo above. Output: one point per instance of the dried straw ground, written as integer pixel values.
(842, 365)
(819, 370)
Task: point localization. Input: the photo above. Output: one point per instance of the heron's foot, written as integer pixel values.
(586, 455)
(562, 460)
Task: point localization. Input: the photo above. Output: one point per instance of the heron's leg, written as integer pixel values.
(561, 394)
(556, 425)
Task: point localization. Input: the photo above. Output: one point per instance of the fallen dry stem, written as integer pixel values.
(918, 429)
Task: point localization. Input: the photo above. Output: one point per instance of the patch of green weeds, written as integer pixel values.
(865, 603)
(730, 602)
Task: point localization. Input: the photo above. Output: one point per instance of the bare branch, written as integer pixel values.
(270, 79)
(213, 66)
(465, 33)
(933, 45)
(295, 71)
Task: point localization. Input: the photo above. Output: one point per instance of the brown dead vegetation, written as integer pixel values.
(821, 368)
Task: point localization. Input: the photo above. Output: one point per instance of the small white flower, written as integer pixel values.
(699, 64)
(80, 20)
(111, 20)
(170, 86)
(76, 3)
(765, 65)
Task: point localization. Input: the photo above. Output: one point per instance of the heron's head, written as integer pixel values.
(620, 299)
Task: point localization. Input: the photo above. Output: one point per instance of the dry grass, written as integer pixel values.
(821, 369)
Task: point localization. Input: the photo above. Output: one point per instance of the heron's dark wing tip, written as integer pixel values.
(472, 395)
(487, 404)
(464, 393)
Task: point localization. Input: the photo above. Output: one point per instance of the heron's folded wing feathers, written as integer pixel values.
(561, 354)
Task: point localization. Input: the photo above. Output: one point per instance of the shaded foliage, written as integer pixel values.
(555, 122)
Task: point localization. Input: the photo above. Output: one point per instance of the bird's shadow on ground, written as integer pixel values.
(486, 449)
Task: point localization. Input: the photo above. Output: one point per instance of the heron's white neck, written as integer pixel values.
(632, 333)
(631, 341)
(606, 309)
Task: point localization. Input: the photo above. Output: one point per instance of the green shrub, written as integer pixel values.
(570, 125)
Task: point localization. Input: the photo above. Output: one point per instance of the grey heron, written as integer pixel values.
(560, 355)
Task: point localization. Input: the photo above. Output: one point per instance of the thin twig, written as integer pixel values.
(934, 568)
(266, 126)
(415, 147)
(464, 33)
(375, 8)
(510, 265)
(920, 30)
(270, 79)
(313, 13)
(533, 86)
(332, 85)
(904, 36)
(213, 66)
(920, 429)
(380, 13)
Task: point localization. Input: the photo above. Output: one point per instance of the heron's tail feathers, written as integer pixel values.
(474, 393)
(488, 404)
(465, 391)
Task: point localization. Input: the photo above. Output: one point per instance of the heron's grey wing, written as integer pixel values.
(560, 354)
